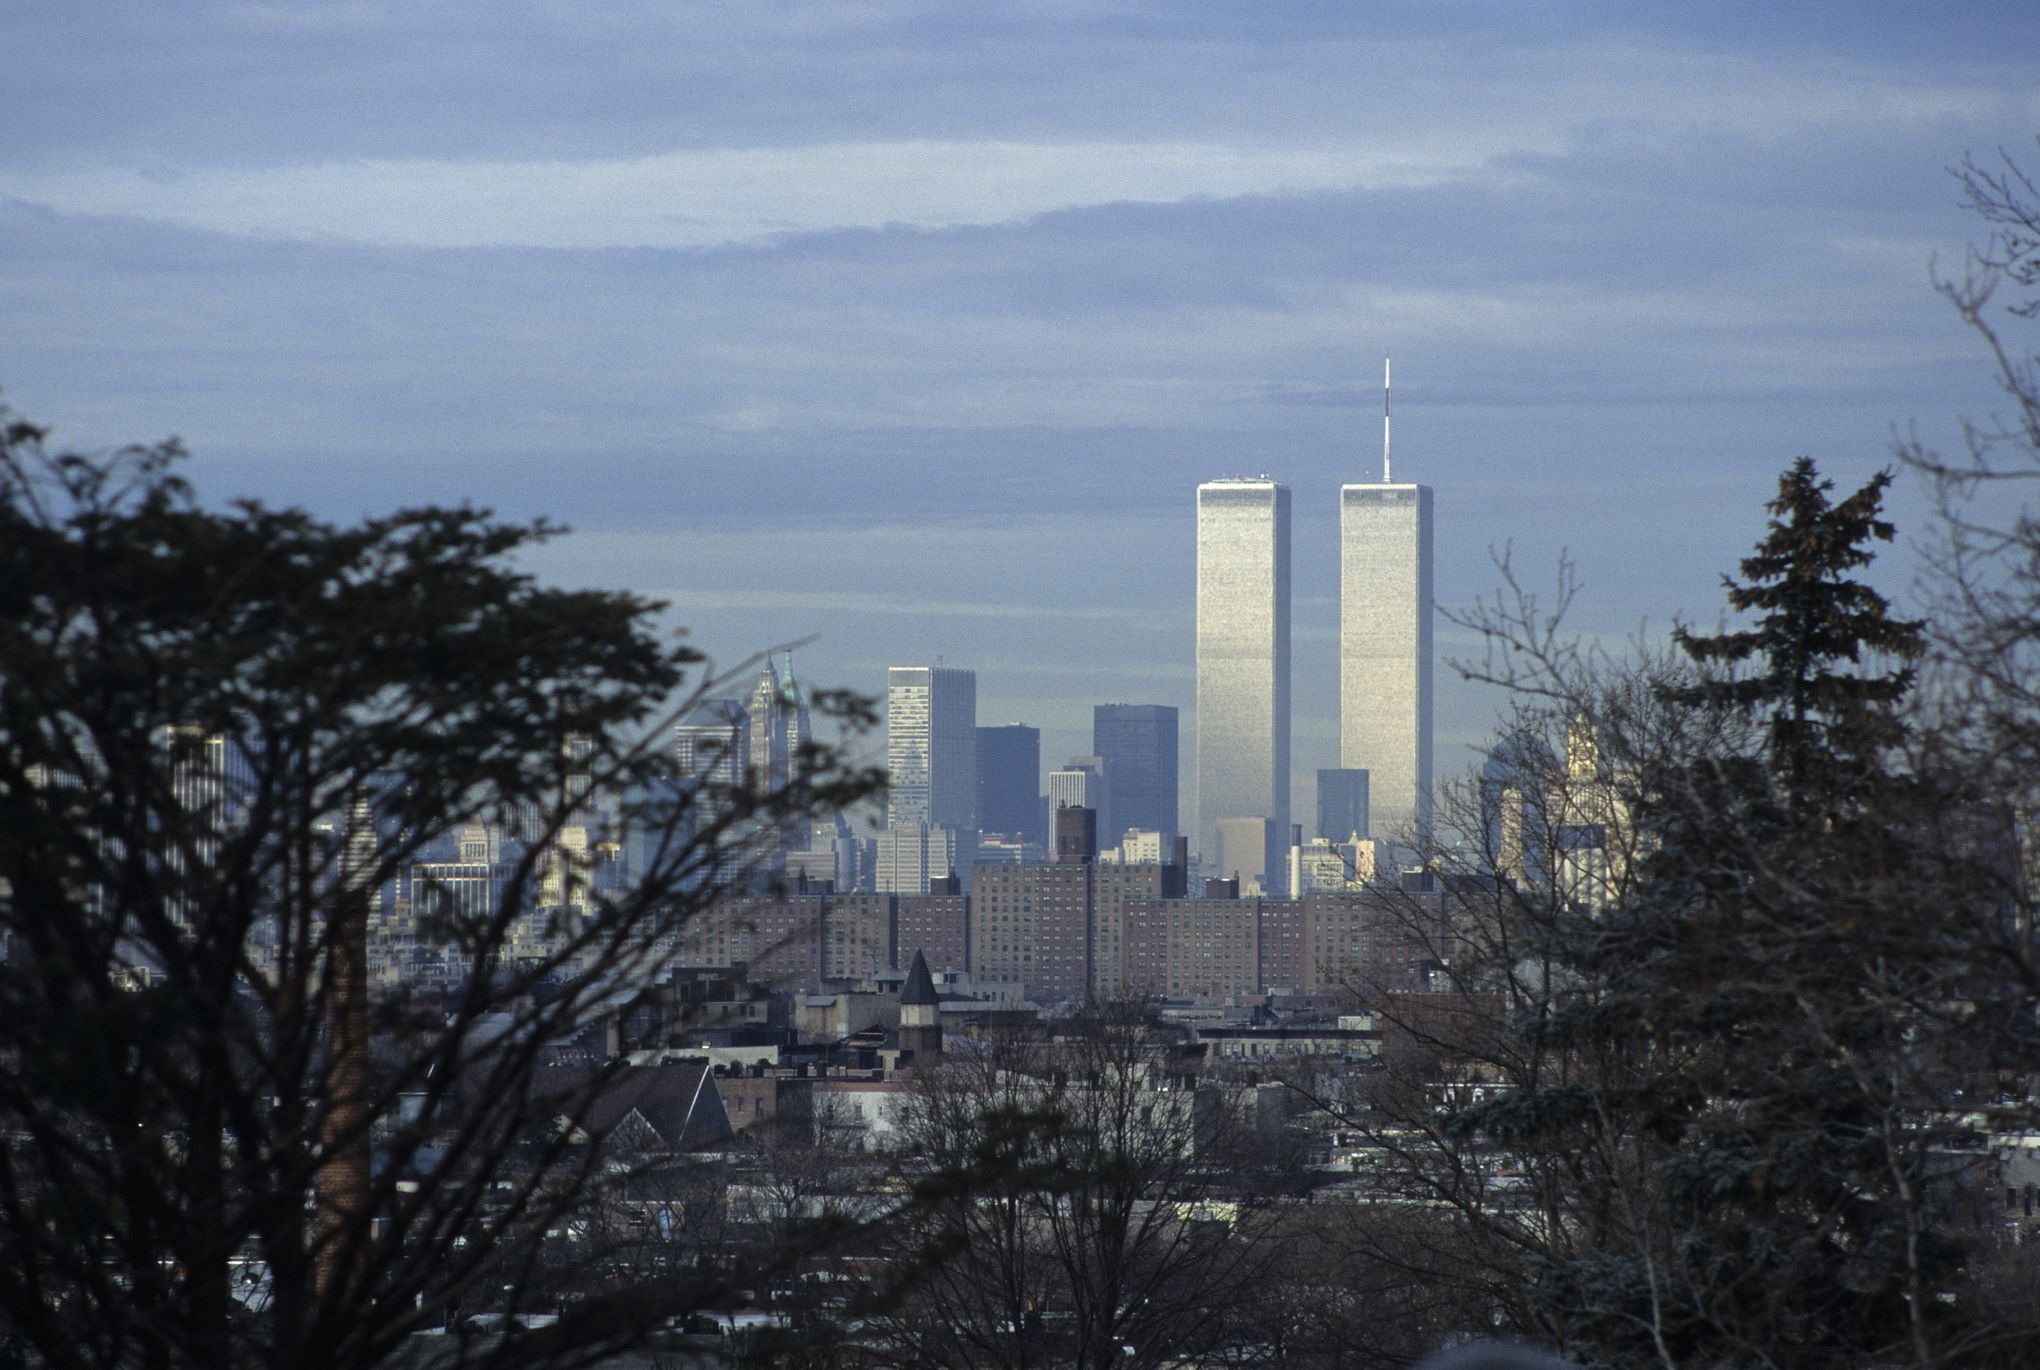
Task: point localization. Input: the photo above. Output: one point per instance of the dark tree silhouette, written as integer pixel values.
(1818, 637)
(1726, 991)
(225, 736)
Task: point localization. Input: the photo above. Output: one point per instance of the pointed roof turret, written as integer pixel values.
(920, 985)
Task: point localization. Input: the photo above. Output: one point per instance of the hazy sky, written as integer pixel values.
(911, 328)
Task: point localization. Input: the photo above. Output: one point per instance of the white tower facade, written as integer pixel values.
(931, 746)
(1385, 672)
(1242, 655)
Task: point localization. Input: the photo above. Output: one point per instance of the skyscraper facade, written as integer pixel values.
(1083, 783)
(911, 854)
(1138, 743)
(1385, 652)
(712, 744)
(796, 725)
(712, 758)
(931, 746)
(1341, 804)
(1009, 782)
(767, 765)
(1242, 654)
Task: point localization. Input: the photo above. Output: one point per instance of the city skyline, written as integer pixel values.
(898, 333)
(437, 927)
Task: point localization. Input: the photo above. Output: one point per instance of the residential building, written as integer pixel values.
(1032, 925)
(933, 926)
(1366, 941)
(1113, 888)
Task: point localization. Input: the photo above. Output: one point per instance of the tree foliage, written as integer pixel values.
(1752, 924)
(226, 736)
(1817, 637)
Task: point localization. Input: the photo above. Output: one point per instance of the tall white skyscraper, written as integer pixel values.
(1385, 651)
(797, 725)
(931, 746)
(1242, 656)
(767, 765)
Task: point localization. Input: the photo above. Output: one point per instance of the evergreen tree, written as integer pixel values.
(1818, 639)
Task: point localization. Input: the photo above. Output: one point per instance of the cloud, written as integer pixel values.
(829, 602)
(707, 197)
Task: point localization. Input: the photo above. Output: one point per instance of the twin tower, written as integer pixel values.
(1243, 662)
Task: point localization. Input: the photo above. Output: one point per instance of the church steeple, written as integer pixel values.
(920, 1013)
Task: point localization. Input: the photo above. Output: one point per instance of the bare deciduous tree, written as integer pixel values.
(1074, 1206)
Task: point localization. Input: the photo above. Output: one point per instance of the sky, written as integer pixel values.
(906, 331)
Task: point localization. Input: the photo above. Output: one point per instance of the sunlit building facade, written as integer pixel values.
(1242, 656)
(1385, 600)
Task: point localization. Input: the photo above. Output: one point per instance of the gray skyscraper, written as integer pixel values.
(712, 756)
(767, 764)
(1242, 655)
(931, 746)
(1385, 651)
(1009, 782)
(1341, 804)
(1138, 742)
(713, 744)
(796, 724)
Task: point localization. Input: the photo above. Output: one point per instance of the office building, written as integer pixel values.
(1076, 835)
(830, 853)
(1009, 783)
(1082, 784)
(1242, 656)
(211, 777)
(1139, 847)
(796, 725)
(1246, 850)
(1341, 804)
(712, 760)
(712, 744)
(911, 854)
(1385, 653)
(1322, 864)
(767, 760)
(931, 746)
(1138, 745)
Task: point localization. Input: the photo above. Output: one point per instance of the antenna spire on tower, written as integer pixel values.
(1384, 421)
